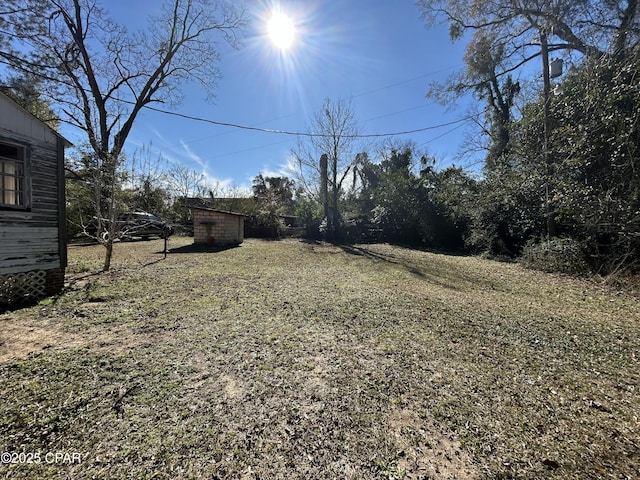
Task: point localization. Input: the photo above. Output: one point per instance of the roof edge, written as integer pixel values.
(218, 211)
(67, 143)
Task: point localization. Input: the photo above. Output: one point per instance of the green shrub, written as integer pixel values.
(559, 255)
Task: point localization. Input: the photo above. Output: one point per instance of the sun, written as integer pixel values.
(281, 30)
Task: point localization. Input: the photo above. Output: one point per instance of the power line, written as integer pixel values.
(307, 134)
(385, 87)
(259, 147)
(403, 82)
(390, 114)
(441, 135)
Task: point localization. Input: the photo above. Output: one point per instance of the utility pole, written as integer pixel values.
(546, 79)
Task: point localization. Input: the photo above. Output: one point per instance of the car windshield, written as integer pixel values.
(145, 217)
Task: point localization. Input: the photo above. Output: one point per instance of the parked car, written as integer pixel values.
(134, 224)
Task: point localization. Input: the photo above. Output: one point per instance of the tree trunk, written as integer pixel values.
(626, 24)
(548, 159)
(335, 214)
(112, 227)
(335, 220)
(107, 256)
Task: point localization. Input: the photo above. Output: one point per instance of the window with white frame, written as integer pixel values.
(13, 182)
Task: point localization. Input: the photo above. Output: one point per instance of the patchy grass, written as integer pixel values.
(295, 360)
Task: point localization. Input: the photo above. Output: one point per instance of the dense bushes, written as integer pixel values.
(562, 255)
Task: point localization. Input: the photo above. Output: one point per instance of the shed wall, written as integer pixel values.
(29, 238)
(224, 228)
(16, 120)
(33, 239)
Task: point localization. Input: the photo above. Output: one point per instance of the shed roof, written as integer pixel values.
(207, 209)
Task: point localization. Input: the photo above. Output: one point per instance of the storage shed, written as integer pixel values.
(217, 227)
(33, 246)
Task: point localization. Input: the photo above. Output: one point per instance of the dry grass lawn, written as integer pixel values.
(293, 360)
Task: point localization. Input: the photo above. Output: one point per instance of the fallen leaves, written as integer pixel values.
(281, 360)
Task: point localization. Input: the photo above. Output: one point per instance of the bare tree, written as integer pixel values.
(144, 166)
(325, 158)
(102, 76)
(147, 181)
(185, 182)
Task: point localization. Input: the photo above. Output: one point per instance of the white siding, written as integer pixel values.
(16, 120)
(24, 248)
(30, 239)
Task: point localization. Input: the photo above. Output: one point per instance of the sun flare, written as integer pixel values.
(281, 30)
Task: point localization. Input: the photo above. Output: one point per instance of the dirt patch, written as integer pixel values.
(231, 387)
(278, 360)
(428, 453)
(18, 340)
(19, 337)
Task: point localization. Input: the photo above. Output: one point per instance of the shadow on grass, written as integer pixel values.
(199, 248)
(363, 252)
(192, 248)
(310, 241)
(71, 284)
(435, 272)
(266, 239)
(82, 279)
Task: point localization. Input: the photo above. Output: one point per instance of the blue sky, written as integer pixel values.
(376, 53)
